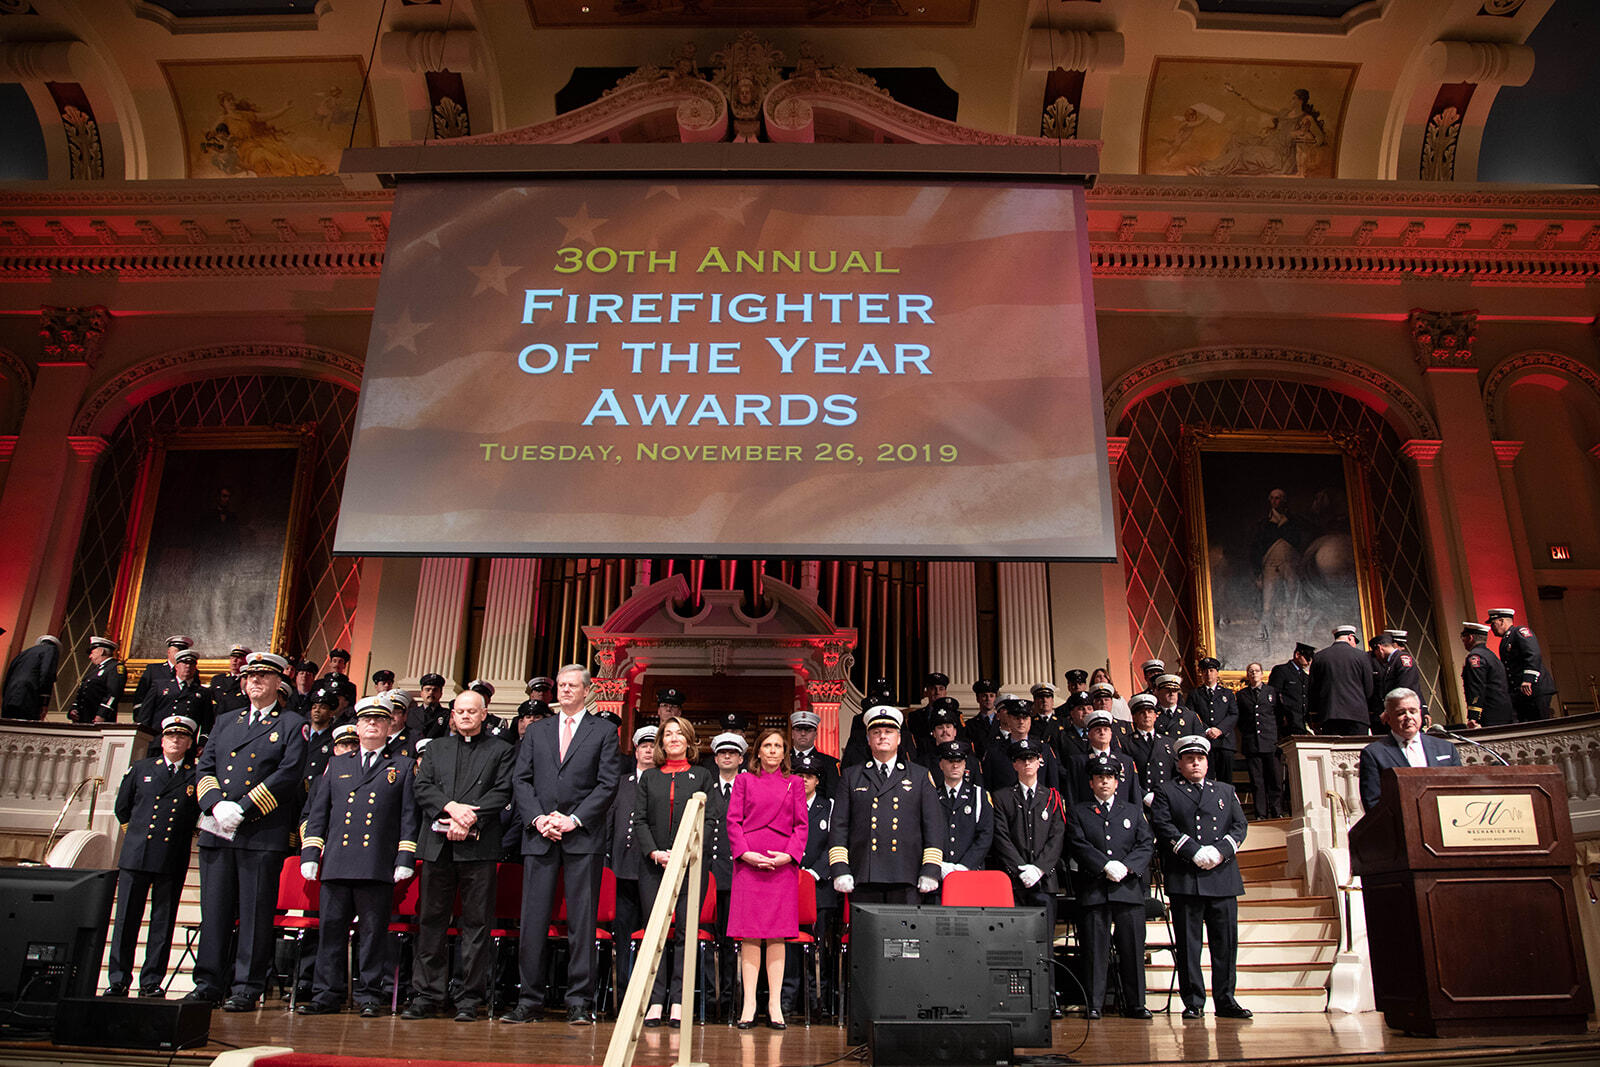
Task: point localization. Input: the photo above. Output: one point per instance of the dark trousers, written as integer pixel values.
(1220, 766)
(367, 902)
(668, 987)
(1098, 923)
(163, 891)
(581, 871)
(1217, 920)
(1344, 728)
(236, 884)
(727, 954)
(630, 917)
(1264, 782)
(795, 970)
(442, 880)
(1529, 709)
(887, 893)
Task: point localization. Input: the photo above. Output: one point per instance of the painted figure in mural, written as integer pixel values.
(1279, 149)
(246, 139)
(1276, 551)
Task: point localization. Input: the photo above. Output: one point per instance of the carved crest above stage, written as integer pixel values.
(747, 88)
(791, 639)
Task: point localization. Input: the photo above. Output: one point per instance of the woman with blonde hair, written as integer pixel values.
(767, 837)
(663, 795)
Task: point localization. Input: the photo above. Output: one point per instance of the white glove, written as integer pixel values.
(1116, 870)
(308, 870)
(945, 869)
(401, 874)
(1207, 857)
(844, 884)
(228, 814)
(1149, 799)
(1029, 874)
(926, 884)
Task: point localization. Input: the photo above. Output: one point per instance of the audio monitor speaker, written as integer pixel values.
(132, 1022)
(945, 1042)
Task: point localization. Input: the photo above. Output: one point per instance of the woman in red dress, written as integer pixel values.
(767, 837)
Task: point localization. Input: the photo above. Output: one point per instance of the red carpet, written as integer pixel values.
(308, 1059)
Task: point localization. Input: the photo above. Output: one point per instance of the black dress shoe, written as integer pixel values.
(199, 996)
(1137, 1013)
(1192, 1013)
(522, 1013)
(579, 1017)
(369, 1011)
(315, 1007)
(1092, 1014)
(745, 1024)
(1234, 1011)
(467, 1015)
(779, 1025)
(239, 1004)
(115, 991)
(153, 994)
(676, 1024)
(417, 1009)
(653, 1024)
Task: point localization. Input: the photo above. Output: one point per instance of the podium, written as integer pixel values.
(1467, 881)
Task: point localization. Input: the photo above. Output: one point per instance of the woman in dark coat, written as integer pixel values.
(663, 794)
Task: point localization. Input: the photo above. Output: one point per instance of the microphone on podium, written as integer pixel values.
(1439, 731)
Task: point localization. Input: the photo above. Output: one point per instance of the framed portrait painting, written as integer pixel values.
(1280, 543)
(213, 539)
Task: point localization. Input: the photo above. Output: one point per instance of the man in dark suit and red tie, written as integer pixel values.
(567, 771)
(1404, 746)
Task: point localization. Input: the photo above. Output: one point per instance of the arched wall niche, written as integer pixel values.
(1244, 395)
(188, 390)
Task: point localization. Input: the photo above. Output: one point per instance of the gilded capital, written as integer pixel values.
(1444, 338)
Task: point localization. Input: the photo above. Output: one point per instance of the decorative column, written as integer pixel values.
(41, 478)
(439, 622)
(1470, 471)
(55, 564)
(1114, 583)
(1445, 568)
(953, 626)
(1024, 603)
(508, 627)
(1505, 454)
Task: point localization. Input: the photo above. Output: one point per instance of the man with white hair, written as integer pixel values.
(1405, 745)
(30, 678)
(101, 685)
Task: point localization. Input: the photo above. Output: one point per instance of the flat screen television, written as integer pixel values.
(52, 935)
(926, 964)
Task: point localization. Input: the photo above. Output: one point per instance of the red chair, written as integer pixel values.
(840, 984)
(977, 889)
(507, 914)
(403, 925)
(604, 919)
(295, 894)
(807, 900)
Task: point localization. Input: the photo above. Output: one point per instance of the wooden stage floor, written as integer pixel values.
(1286, 1039)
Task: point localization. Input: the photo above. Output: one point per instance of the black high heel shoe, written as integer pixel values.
(745, 1024)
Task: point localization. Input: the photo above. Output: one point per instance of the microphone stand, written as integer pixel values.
(1437, 730)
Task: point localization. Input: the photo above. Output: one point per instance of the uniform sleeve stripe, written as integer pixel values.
(1179, 843)
(408, 846)
(1232, 843)
(838, 854)
(933, 855)
(209, 783)
(262, 798)
(312, 842)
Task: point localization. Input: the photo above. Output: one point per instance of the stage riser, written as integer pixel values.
(1251, 976)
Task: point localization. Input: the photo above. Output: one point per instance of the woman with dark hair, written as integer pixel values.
(1119, 706)
(663, 794)
(767, 837)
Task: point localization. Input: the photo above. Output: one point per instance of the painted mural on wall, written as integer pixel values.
(1240, 118)
(268, 118)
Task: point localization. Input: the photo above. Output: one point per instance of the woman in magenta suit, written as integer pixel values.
(767, 837)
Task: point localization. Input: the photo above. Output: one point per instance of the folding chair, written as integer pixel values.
(977, 889)
(507, 912)
(295, 894)
(403, 925)
(810, 958)
(604, 940)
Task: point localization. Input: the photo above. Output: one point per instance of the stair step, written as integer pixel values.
(1265, 872)
(1260, 1001)
(1252, 908)
(1158, 973)
(1262, 857)
(1268, 833)
(1273, 888)
(1271, 953)
(1252, 929)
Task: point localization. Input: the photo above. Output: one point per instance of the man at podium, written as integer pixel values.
(1404, 746)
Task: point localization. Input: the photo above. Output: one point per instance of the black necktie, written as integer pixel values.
(366, 762)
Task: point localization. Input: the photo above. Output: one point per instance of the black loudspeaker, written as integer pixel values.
(949, 1042)
(132, 1022)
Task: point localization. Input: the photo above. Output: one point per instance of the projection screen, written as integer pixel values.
(740, 367)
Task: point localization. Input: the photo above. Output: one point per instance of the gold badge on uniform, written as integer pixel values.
(272, 738)
(189, 789)
(393, 774)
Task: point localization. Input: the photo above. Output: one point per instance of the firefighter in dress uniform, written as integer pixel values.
(886, 821)
(1111, 848)
(157, 809)
(96, 697)
(1200, 826)
(360, 842)
(248, 783)
(1030, 835)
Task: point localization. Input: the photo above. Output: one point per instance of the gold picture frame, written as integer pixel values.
(214, 538)
(1268, 573)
